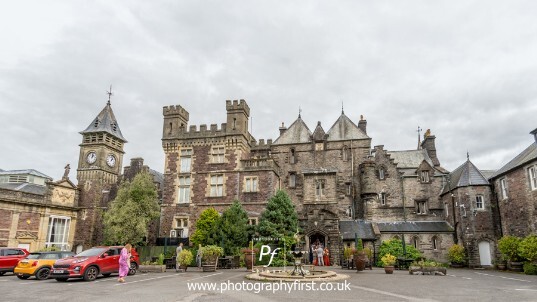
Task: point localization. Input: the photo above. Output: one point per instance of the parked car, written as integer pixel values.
(101, 260)
(39, 264)
(9, 257)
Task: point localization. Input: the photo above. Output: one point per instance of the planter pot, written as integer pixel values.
(249, 260)
(501, 266)
(389, 269)
(360, 260)
(456, 265)
(209, 267)
(515, 266)
(152, 268)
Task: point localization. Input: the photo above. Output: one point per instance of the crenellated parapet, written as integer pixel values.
(261, 144)
(238, 105)
(175, 110)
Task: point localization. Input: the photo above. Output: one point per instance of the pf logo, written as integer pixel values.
(266, 250)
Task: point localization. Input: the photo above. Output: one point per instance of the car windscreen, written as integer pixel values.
(34, 256)
(91, 252)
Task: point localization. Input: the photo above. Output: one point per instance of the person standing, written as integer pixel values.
(178, 251)
(198, 257)
(124, 262)
(320, 252)
(326, 257)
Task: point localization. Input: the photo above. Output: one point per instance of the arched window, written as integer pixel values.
(292, 156)
(345, 153)
(416, 242)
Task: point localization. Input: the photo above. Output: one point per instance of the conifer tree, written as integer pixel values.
(279, 218)
(233, 229)
(206, 228)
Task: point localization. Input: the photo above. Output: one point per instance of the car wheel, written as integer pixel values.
(61, 279)
(2, 273)
(91, 273)
(23, 277)
(107, 274)
(42, 273)
(133, 269)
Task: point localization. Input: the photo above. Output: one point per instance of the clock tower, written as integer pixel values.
(99, 165)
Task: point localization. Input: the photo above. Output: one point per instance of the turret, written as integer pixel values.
(175, 121)
(238, 113)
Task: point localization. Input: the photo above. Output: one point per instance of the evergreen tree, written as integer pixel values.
(233, 229)
(130, 213)
(207, 228)
(279, 218)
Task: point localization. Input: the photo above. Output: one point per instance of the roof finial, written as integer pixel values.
(299, 111)
(109, 92)
(342, 112)
(419, 137)
(467, 155)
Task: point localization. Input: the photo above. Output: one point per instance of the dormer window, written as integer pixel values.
(96, 123)
(424, 176)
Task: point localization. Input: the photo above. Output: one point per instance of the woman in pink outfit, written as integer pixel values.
(124, 262)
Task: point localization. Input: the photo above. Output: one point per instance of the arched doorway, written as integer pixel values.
(317, 238)
(484, 253)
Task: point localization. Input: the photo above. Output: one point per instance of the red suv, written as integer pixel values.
(90, 263)
(10, 257)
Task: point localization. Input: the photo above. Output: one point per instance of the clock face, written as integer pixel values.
(91, 157)
(111, 160)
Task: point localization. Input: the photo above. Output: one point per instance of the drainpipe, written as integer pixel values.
(455, 223)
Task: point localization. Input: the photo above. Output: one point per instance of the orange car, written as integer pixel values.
(39, 264)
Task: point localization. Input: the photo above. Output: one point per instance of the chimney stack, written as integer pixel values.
(429, 145)
(534, 132)
(282, 129)
(362, 124)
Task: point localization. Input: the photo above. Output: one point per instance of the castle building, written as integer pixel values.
(341, 187)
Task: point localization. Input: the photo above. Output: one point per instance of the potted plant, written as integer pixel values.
(388, 262)
(209, 258)
(369, 253)
(360, 257)
(508, 246)
(249, 256)
(456, 255)
(185, 257)
(347, 256)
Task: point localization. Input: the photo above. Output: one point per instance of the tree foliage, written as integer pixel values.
(527, 248)
(130, 213)
(206, 228)
(279, 218)
(508, 246)
(457, 254)
(233, 229)
(395, 247)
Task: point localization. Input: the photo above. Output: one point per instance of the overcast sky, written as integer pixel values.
(467, 70)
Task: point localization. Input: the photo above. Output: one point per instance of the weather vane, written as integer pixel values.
(419, 137)
(299, 111)
(109, 92)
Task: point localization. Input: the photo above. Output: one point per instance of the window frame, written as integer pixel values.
(184, 190)
(382, 198)
(64, 237)
(421, 210)
(292, 180)
(503, 188)
(216, 188)
(532, 177)
(477, 206)
(251, 184)
(218, 154)
(185, 161)
(382, 174)
(320, 188)
(424, 176)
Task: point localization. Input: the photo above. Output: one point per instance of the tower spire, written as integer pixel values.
(109, 92)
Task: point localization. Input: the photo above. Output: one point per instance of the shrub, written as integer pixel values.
(395, 247)
(388, 260)
(211, 252)
(185, 258)
(527, 248)
(160, 260)
(508, 246)
(347, 253)
(530, 268)
(456, 254)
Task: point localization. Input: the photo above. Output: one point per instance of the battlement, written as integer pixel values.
(203, 131)
(262, 143)
(237, 105)
(175, 110)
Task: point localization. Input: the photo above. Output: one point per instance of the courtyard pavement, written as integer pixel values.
(458, 285)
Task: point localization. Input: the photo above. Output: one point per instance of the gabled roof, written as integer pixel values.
(26, 171)
(319, 134)
(105, 122)
(24, 187)
(529, 154)
(350, 229)
(345, 129)
(466, 175)
(414, 226)
(410, 158)
(298, 132)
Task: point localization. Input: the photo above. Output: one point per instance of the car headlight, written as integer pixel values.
(81, 260)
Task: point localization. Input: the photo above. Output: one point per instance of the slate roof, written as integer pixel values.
(466, 175)
(345, 129)
(298, 132)
(318, 133)
(410, 158)
(529, 154)
(488, 173)
(105, 122)
(348, 229)
(24, 187)
(25, 171)
(157, 177)
(414, 227)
